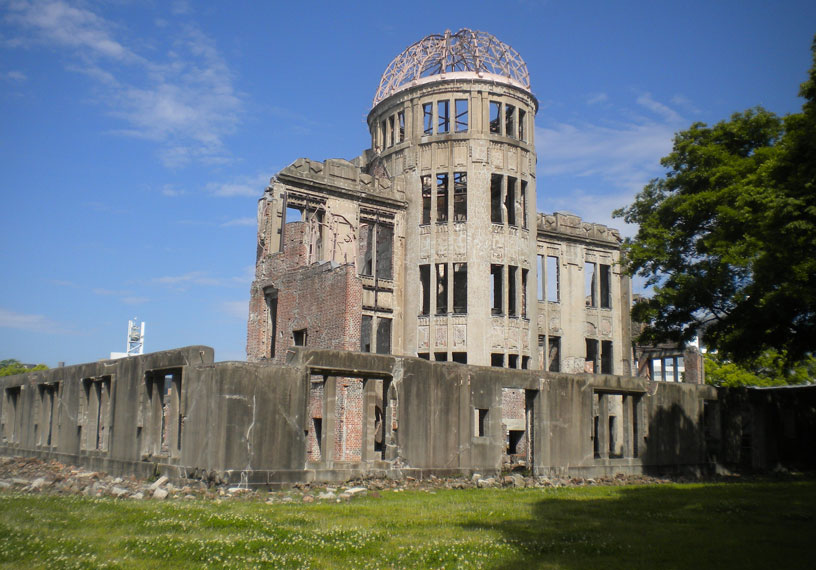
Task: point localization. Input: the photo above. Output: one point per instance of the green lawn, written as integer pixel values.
(736, 525)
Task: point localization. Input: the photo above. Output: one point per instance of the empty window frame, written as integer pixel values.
(426, 199)
(383, 134)
(542, 279)
(496, 199)
(300, 337)
(443, 116)
(509, 120)
(495, 117)
(383, 335)
(401, 125)
(512, 304)
(480, 422)
(524, 274)
(512, 360)
(459, 196)
(510, 200)
(271, 298)
(553, 286)
(379, 251)
(442, 198)
(525, 362)
(95, 416)
(605, 283)
(425, 286)
(460, 288)
(441, 288)
(441, 356)
(523, 198)
(497, 360)
(554, 353)
(496, 289)
(461, 110)
(591, 361)
(427, 118)
(391, 132)
(606, 357)
(11, 414)
(590, 280)
(367, 249)
(49, 411)
(424, 355)
(366, 333)
(460, 357)
(522, 125)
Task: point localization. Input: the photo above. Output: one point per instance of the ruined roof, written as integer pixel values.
(466, 53)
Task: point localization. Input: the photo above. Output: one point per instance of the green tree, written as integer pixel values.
(769, 369)
(12, 366)
(727, 237)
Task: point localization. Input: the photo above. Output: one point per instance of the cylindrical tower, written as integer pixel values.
(452, 121)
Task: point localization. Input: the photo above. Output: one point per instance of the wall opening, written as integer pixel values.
(271, 299)
(314, 435)
(497, 360)
(461, 110)
(480, 421)
(523, 197)
(514, 424)
(300, 337)
(442, 197)
(591, 360)
(161, 413)
(522, 125)
(496, 289)
(496, 198)
(615, 425)
(426, 200)
(383, 335)
(425, 286)
(510, 200)
(512, 306)
(553, 280)
(460, 288)
(460, 357)
(605, 282)
(95, 418)
(441, 288)
(459, 196)
(495, 117)
(427, 118)
(590, 278)
(443, 114)
(509, 120)
(11, 414)
(49, 410)
(606, 357)
(524, 273)
(365, 333)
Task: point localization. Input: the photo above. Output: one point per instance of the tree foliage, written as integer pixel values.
(728, 236)
(12, 366)
(770, 368)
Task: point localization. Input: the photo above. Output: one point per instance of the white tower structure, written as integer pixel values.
(135, 337)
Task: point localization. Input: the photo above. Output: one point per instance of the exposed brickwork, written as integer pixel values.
(316, 394)
(348, 442)
(323, 299)
(514, 418)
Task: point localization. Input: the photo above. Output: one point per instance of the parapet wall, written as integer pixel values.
(334, 415)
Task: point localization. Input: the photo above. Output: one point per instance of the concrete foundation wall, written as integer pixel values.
(179, 413)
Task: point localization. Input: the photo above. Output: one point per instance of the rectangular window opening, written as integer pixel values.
(426, 199)
(300, 337)
(509, 120)
(384, 248)
(591, 361)
(481, 421)
(365, 333)
(496, 289)
(512, 360)
(271, 298)
(443, 114)
(460, 288)
(427, 118)
(459, 196)
(441, 288)
(461, 111)
(606, 279)
(553, 280)
(383, 335)
(525, 362)
(554, 354)
(606, 357)
(497, 360)
(590, 278)
(522, 125)
(495, 117)
(401, 122)
(495, 198)
(460, 357)
(441, 356)
(524, 273)
(514, 438)
(425, 285)
(391, 131)
(424, 355)
(512, 307)
(367, 249)
(510, 200)
(523, 197)
(442, 198)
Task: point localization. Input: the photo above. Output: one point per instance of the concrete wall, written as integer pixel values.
(254, 423)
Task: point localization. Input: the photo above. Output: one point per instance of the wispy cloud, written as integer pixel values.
(183, 98)
(236, 309)
(616, 158)
(13, 75)
(249, 186)
(30, 323)
(240, 222)
(187, 280)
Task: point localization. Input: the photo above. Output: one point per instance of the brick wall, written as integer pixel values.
(348, 441)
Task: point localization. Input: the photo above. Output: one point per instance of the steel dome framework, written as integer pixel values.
(465, 51)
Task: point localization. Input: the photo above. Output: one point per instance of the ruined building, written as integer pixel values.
(412, 314)
(429, 244)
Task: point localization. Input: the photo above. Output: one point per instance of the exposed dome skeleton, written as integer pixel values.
(474, 53)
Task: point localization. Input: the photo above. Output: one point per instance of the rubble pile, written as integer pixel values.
(28, 475)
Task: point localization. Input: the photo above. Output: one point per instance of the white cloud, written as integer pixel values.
(240, 222)
(182, 98)
(249, 186)
(596, 98)
(14, 75)
(30, 323)
(236, 309)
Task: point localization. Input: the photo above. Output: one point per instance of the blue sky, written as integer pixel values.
(136, 137)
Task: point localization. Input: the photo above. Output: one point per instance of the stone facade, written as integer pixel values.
(437, 225)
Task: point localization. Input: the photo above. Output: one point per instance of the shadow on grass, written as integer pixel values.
(737, 525)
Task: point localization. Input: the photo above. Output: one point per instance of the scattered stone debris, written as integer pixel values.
(28, 475)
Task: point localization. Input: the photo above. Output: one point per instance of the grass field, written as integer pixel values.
(737, 525)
